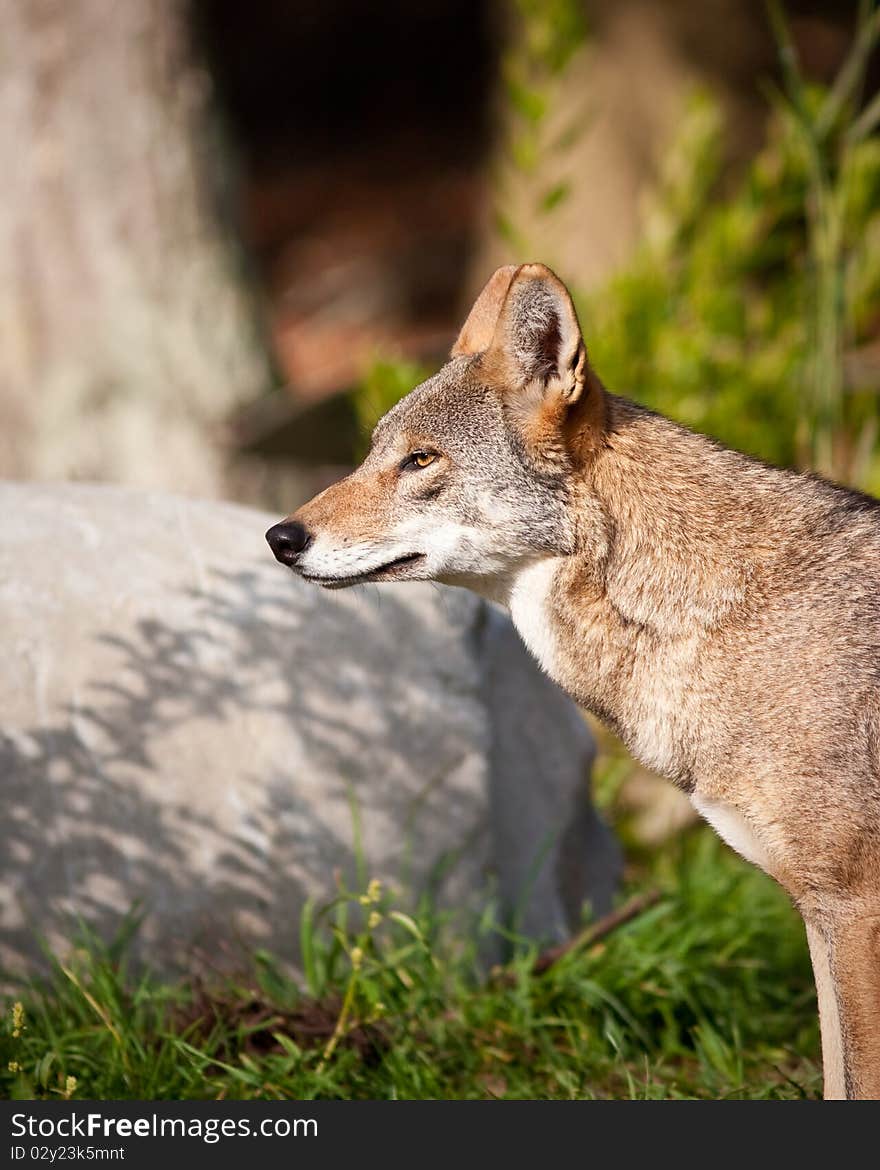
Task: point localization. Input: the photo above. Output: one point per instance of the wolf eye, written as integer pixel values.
(419, 459)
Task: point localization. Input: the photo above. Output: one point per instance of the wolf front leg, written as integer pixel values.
(829, 1017)
(845, 952)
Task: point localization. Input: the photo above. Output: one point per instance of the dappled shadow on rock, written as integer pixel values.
(190, 728)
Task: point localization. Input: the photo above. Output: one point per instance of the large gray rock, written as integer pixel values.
(184, 724)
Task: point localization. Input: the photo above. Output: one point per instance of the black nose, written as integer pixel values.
(287, 540)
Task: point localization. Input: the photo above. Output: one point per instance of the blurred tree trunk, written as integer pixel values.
(127, 328)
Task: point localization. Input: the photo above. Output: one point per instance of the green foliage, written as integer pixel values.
(707, 994)
(738, 312)
(546, 37)
(552, 32)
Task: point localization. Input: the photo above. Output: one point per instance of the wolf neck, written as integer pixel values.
(683, 522)
(668, 543)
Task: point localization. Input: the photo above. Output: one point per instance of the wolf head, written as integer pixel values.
(467, 480)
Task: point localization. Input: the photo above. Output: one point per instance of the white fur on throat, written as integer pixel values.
(732, 827)
(527, 602)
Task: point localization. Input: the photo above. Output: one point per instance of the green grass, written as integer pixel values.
(707, 994)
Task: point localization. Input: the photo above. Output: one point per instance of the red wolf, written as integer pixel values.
(721, 615)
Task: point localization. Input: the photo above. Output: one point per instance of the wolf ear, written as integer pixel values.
(537, 345)
(479, 329)
(525, 325)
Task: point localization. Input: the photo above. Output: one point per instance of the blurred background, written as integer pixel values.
(231, 235)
